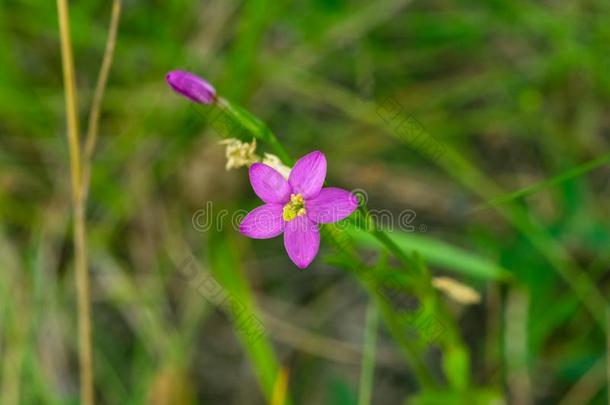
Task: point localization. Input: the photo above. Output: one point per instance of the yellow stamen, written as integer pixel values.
(295, 208)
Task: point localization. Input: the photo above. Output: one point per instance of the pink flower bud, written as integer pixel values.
(191, 86)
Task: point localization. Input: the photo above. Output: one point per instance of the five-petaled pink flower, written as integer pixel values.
(296, 206)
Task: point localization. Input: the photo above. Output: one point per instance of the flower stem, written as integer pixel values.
(258, 129)
(406, 261)
(80, 248)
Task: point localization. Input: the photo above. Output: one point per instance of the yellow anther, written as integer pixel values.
(295, 208)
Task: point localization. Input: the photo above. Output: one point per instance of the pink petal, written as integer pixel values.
(263, 222)
(308, 174)
(269, 184)
(331, 205)
(301, 240)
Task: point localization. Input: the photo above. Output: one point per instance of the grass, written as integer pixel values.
(367, 373)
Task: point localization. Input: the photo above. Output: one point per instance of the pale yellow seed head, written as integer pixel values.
(240, 153)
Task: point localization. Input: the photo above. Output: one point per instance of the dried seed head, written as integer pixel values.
(240, 154)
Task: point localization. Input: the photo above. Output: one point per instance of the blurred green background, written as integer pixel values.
(517, 93)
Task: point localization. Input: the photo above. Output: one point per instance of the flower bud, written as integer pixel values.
(191, 86)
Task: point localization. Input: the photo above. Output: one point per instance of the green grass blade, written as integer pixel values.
(368, 359)
(439, 253)
(548, 183)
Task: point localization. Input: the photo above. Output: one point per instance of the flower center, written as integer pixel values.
(295, 208)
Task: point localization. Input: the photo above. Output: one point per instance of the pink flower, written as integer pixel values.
(296, 206)
(191, 86)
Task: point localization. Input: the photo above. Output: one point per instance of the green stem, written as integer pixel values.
(255, 126)
(384, 239)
